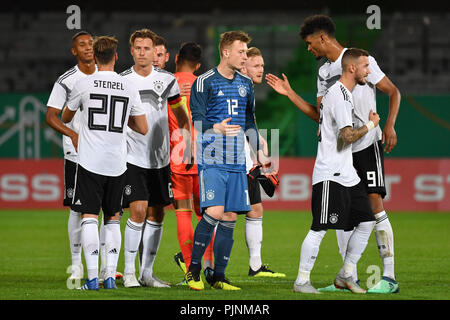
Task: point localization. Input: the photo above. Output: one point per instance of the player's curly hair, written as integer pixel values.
(227, 38)
(315, 23)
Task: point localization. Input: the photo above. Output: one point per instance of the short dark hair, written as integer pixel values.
(316, 23)
(105, 48)
(352, 54)
(160, 41)
(79, 34)
(190, 52)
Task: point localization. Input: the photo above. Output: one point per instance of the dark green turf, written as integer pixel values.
(34, 255)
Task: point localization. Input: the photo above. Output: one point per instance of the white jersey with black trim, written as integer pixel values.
(106, 101)
(364, 97)
(152, 151)
(334, 159)
(58, 99)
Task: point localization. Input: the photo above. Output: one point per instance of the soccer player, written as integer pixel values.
(161, 54)
(185, 182)
(254, 69)
(148, 185)
(107, 103)
(318, 32)
(82, 50)
(222, 106)
(339, 200)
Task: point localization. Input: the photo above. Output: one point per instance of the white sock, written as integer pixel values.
(342, 240)
(150, 240)
(74, 230)
(90, 244)
(253, 238)
(385, 242)
(308, 254)
(113, 241)
(132, 238)
(102, 245)
(355, 248)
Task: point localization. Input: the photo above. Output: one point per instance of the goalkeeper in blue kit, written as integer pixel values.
(222, 106)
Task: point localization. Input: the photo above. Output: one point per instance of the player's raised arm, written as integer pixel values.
(282, 86)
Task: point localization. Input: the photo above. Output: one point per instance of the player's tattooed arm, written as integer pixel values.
(350, 135)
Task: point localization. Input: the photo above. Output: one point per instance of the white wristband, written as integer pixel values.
(370, 125)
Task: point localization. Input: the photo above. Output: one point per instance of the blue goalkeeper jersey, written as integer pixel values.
(213, 99)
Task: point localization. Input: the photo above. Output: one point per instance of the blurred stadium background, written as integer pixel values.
(411, 47)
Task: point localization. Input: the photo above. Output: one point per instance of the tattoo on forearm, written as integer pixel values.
(350, 135)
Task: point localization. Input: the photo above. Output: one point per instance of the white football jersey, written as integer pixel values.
(364, 97)
(334, 159)
(152, 151)
(58, 99)
(106, 100)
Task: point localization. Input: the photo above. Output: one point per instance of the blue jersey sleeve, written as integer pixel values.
(199, 104)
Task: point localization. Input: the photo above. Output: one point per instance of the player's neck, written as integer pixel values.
(87, 67)
(348, 80)
(226, 71)
(334, 50)
(184, 68)
(143, 71)
(105, 67)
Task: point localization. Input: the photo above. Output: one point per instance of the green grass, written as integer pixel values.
(34, 255)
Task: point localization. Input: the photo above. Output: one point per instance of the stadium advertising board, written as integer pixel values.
(412, 184)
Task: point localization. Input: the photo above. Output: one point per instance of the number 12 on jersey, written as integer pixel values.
(232, 106)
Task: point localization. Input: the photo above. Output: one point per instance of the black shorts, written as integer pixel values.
(152, 185)
(70, 169)
(95, 191)
(254, 191)
(369, 163)
(335, 206)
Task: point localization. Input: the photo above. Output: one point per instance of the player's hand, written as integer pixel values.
(230, 130)
(74, 138)
(374, 117)
(281, 86)
(389, 137)
(185, 89)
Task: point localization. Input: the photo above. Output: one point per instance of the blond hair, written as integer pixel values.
(253, 52)
(227, 39)
(143, 33)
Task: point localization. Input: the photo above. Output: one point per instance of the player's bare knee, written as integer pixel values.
(155, 214)
(256, 212)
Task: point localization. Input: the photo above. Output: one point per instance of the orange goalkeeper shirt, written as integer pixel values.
(177, 144)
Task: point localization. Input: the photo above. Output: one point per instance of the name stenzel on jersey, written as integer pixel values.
(106, 100)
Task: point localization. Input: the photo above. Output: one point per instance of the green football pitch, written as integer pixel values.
(34, 255)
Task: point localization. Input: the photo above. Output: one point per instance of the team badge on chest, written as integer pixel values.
(242, 91)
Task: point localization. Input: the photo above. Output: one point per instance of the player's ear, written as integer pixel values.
(74, 52)
(167, 56)
(176, 58)
(197, 66)
(116, 56)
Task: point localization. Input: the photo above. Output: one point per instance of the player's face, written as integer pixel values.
(236, 54)
(362, 70)
(254, 67)
(142, 52)
(82, 48)
(315, 44)
(161, 57)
